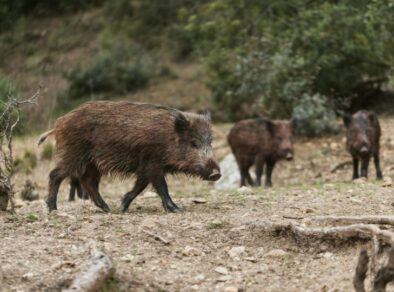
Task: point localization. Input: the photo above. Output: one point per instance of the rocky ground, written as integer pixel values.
(210, 246)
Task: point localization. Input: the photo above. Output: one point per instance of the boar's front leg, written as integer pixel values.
(379, 174)
(364, 166)
(140, 184)
(259, 171)
(269, 168)
(160, 185)
(355, 168)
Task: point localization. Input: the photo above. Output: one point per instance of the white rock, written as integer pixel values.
(360, 180)
(221, 270)
(236, 252)
(230, 289)
(199, 200)
(190, 251)
(199, 279)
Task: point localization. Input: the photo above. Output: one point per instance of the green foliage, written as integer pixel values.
(118, 69)
(25, 164)
(47, 151)
(268, 54)
(315, 116)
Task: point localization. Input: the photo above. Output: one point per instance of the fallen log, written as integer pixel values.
(380, 220)
(361, 231)
(96, 273)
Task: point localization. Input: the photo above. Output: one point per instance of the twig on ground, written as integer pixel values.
(157, 237)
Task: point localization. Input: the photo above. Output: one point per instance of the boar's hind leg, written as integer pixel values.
(355, 168)
(379, 174)
(55, 179)
(160, 185)
(268, 173)
(90, 182)
(364, 167)
(139, 186)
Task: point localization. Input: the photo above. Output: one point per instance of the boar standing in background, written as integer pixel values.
(124, 139)
(362, 141)
(261, 142)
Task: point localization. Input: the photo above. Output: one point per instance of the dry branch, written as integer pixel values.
(97, 272)
(361, 231)
(361, 271)
(156, 236)
(341, 165)
(380, 220)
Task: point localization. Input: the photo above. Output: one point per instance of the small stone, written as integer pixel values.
(236, 252)
(199, 200)
(230, 289)
(225, 278)
(199, 279)
(328, 255)
(221, 270)
(309, 210)
(277, 253)
(27, 276)
(251, 259)
(387, 182)
(127, 258)
(190, 251)
(245, 191)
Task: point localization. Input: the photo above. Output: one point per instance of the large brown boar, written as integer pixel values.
(362, 141)
(124, 139)
(261, 141)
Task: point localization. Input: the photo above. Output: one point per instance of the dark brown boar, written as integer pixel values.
(261, 141)
(362, 141)
(124, 139)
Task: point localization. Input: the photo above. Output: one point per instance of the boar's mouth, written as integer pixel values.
(289, 157)
(214, 176)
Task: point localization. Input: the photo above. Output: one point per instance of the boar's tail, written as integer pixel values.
(44, 136)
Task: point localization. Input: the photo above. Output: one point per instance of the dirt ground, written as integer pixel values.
(211, 245)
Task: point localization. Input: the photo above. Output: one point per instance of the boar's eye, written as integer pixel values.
(194, 143)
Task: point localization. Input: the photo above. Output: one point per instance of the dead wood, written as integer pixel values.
(361, 231)
(341, 165)
(156, 236)
(361, 271)
(96, 273)
(380, 220)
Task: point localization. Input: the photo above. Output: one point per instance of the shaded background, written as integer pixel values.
(306, 59)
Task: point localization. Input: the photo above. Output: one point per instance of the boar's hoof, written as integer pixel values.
(172, 208)
(379, 176)
(51, 206)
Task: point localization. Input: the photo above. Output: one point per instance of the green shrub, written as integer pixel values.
(117, 70)
(315, 116)
(47, 151)
(25, 164)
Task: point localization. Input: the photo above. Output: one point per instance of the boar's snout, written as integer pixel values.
(212, 171)
(289, 156)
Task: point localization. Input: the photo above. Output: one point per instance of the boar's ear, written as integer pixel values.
(347, 119)
(270, 126)
(181, 123)
(294, 124)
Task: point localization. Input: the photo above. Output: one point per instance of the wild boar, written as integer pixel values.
(125, 138)
(363, 141)
(261, 141)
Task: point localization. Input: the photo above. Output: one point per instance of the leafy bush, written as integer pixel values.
(118, 70)
(315, 116)
(47, 151)
(263, 56)
(25, 164)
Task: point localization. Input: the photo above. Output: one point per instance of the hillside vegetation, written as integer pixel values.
(239, 58)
